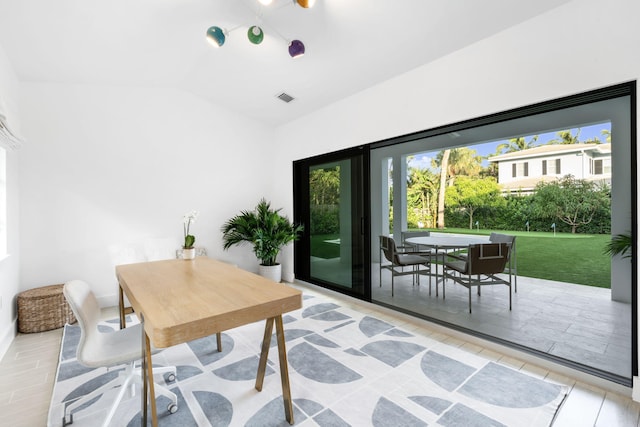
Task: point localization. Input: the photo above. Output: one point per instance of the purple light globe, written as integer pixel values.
(296, 48)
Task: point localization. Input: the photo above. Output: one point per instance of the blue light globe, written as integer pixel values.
(215, 36)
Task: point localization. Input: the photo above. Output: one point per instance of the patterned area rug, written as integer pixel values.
(346, 369)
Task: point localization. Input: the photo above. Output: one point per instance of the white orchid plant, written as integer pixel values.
(187, 220)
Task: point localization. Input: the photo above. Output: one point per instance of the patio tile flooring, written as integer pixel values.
(574, 322)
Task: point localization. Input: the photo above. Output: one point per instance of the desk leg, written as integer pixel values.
(266, 342)
(152, 391)
(284, 371)
(219, 341)
(284, 367)
(148, 387)
(143, 373)
(123, 323)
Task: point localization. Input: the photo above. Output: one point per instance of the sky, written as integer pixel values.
(423, 160)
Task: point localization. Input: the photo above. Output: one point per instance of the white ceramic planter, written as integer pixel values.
(271, 272)
(189, 253)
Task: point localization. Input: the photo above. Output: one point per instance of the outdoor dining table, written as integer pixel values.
(441, 243)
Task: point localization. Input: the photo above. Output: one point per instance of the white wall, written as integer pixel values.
(118, 165)
(572, 49)
(9, 267)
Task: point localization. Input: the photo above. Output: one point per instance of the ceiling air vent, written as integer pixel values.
(285, 97)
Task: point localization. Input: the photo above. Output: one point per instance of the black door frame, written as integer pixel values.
(361, 199)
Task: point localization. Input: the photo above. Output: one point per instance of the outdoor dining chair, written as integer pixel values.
(397, 261)
(512, 267)
(479, 267)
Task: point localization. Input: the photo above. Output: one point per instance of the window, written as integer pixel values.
(551, 167)
(520, 169)
(600, 166)
(597, 167)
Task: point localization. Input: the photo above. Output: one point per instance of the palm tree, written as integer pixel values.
(516, 144)
(454, 162)
(464, 162)
(565, 137)
(444, 166)
(422, 189)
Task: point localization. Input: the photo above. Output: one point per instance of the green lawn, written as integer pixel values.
(565, 257)
(573, 258)
(322, 247)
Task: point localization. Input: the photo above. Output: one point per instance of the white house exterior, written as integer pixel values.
(520, 171)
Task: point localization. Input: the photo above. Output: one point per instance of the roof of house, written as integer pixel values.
(544, 150)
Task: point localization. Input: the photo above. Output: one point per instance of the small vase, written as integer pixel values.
(189, 253)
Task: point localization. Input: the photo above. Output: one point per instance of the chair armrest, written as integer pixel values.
(419, 253)
(459, 257)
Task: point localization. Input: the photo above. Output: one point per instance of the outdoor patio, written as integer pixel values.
(574, 322)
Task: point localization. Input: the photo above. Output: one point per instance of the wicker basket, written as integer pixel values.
(43, 309)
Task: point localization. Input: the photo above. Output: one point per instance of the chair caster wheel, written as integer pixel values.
(171, 377)
(172, 408)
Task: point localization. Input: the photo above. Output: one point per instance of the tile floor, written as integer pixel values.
(575, 322)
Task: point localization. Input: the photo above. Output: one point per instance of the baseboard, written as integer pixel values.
(288, 277)
(7, 338)
(635, 395)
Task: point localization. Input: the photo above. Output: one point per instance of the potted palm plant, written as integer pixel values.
(267, 231)
(620, 244)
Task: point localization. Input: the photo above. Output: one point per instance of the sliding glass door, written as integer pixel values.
(332, 249)
(561, 182)
(573, 303)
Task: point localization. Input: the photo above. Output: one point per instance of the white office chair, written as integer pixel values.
(97, 349)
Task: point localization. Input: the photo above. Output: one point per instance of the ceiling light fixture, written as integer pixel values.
(296, 48)
(306, 3)
(255, 34)
(217, 35)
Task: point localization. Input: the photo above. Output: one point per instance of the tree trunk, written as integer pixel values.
(444, 166)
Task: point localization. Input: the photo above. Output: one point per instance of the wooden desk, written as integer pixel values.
(183, 300)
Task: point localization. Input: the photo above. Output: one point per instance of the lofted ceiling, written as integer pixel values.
(350, 45)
